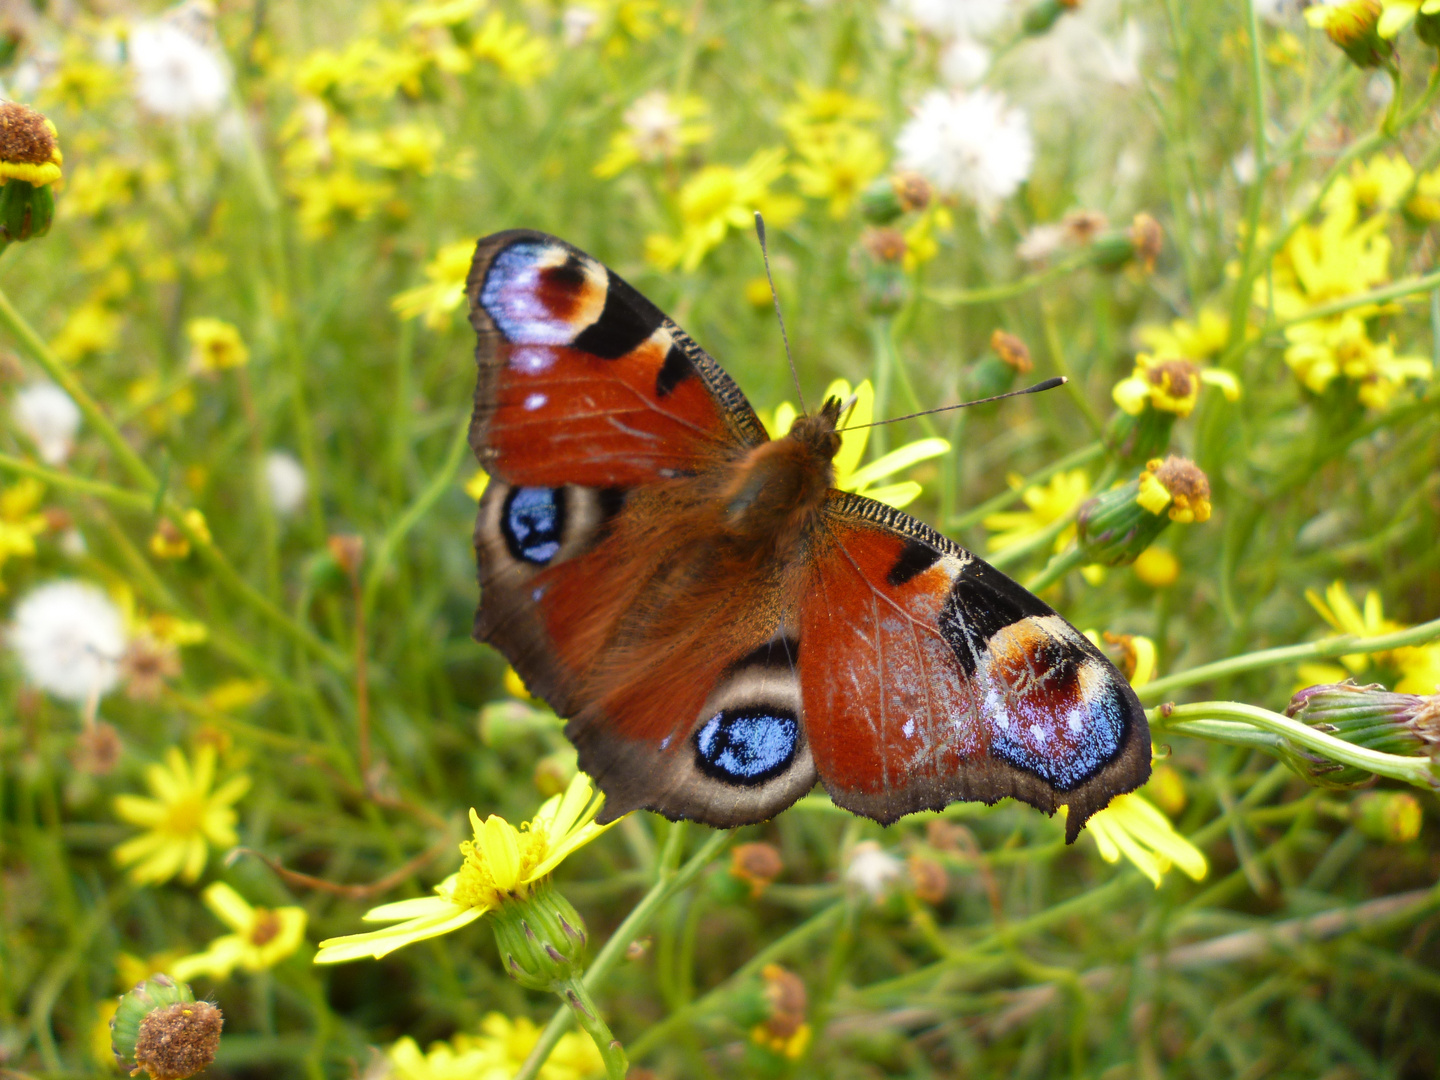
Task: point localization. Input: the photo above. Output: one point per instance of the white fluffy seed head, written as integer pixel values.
(285, 482)
(45, 413)
(968, 142)
(177, 76)
(70, 637)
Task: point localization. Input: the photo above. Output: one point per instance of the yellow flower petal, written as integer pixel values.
(900, 458)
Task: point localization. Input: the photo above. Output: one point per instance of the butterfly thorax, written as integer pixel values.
(778, 488)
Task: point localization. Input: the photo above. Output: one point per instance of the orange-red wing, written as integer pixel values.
(584, 381)
(927, 676)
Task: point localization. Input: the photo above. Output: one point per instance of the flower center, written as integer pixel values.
(266, 927)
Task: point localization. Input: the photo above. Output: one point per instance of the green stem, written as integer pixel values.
(668, 882)
(38, 351)
(1343, 645)
(437, 487)
(950, 298)
(1057, 568)
(587, 1015)
(134, 500)
(1417, 771)
(1425, 283)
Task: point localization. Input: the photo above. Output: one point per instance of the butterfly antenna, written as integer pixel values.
(765, 254)
(1048, 384)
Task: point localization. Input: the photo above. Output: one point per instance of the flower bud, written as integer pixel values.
(928, 879)
(541, 938)
(1113, 528)
(30, 161)
(1392, 817)
(1427, 28)
(1355, 27)
(1140, 243)
(1042, 16)
(757, 865)
(1141, 436)
(889, 197)
(161, 1029)
(1368, 716)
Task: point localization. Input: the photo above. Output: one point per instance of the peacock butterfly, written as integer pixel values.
(720, 626)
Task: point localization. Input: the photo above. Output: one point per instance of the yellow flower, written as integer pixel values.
(169, 541)
(519, 55)
(262, 938)
(409, 147)
(1132, 827)
(443, 13)
(1399, 14)
(837, 163)
(854, 435)
(1419, 665)
(1199, 339)
(1322, 350)
(215, 345)
(19, 524)
(445, 292)
(1170, 384)
(1329, 261)
(341, 195)
(1376, 184)
(502, 863)
(476, 485)
(99, 1039)
(181, 818)
(1176, 485)
(1157, 567)
(29, 146)
(1047, 504)
(815, 108)
(1424, 205)
(719, 198)
(920, 243)
(90, 327)
(236, 694)
(495, 1054)
(658, 127)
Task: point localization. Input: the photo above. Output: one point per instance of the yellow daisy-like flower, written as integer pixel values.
(182, 819)
(1170, 384)
(1399, 14)
(29, 146)
(1376, 184)
(502, 863)
(1175, 485)
(837, 163)
(850, 475)
(518, 54)
(19, 523)
(215, 345)
(262, 938)
(1202, 337)
(1047, 503)
(438, 300)
(1325, 349)
(497, 1053)
(1131, 826)
(1419, 665)
(719, 198)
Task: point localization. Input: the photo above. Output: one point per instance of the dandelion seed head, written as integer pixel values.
(970, 143)
(70, 638)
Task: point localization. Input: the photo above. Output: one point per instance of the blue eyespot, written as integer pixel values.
(533, 523)
(747, 746)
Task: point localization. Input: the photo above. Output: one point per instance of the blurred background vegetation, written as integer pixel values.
(236, 501)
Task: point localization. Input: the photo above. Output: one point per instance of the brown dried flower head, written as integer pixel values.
(884, 245)
(1148, 238)
(26, 137)
(1012, 350)
(1082, 226)
(179, 1040)
(913, 190)
(757, 864)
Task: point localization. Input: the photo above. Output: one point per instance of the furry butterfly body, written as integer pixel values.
(720, 626)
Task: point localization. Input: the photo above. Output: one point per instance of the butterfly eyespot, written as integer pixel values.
(533, 523)
(748, 745)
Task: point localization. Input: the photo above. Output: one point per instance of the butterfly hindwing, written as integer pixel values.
(928, 676)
